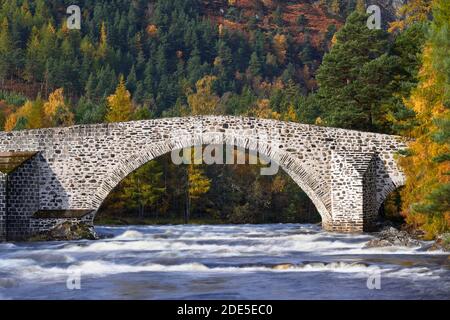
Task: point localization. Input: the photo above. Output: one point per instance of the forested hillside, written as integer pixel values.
(162, 48)
(304, 60)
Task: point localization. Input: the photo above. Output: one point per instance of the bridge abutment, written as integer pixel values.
(19, 193)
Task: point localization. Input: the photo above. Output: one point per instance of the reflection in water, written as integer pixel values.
(282, 261)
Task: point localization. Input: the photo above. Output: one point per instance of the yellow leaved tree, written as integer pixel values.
(103, 45)
(280, 45)
(263, 110)
(12, 122)
(120, 106)
(426, 195)
(38, 114)
(290, 114)
(411, 12)
(56, 111)
(197, 182)
(204, 101)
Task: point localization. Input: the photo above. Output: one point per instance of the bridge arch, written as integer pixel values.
(386, 183)
(303, 176)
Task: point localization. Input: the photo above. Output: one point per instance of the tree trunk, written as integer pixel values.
(187, 209)
(141, 211)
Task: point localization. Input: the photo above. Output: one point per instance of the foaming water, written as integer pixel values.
(279, 261)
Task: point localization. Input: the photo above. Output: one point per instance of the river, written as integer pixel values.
(221, 262)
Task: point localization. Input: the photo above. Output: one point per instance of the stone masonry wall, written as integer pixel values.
(346, 195)
(44, 224)
(370, 205)
(3, 198)
(353, 195)
(23, 199)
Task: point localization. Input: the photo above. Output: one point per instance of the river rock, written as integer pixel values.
(67, 231)
(442, 242)
(283, 266)
(392, 237)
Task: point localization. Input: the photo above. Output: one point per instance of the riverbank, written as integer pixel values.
(389, 236)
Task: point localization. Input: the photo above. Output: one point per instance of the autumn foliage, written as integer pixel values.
(120, 107)
(37, 114)
(426, 196)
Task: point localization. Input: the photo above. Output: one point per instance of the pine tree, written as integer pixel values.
(194, 67)
(408, 46)
(278, 16)
(6, 50)
(34, 67)
(255, 66)
(355, 77)
(88, 112)
(21, 124)
(132, 80)
(302, 22)
(90, 87)
(143, 188)
(224, 66)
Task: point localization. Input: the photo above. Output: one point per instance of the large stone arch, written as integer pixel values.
(303, 176)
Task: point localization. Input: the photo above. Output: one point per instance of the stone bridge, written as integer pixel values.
(52, 175)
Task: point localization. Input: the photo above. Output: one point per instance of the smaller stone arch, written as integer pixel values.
(386, 182)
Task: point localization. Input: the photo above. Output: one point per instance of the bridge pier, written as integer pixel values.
(353, 192)
(19, 193)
